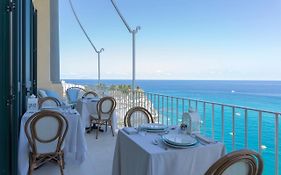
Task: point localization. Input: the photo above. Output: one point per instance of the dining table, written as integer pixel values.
(75, 146)
(88, 106)
(140, 153)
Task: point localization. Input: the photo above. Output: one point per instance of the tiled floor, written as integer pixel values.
(98, 161)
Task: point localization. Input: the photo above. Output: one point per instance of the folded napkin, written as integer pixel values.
(130, 130)
(204, 139)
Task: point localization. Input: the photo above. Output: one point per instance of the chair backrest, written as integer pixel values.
(106, 107)
(137, 116)
(74, 93)
(90, 94)
(48, 102)
(46, 131)
(242, 162)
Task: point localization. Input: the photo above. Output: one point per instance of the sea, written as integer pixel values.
(265, 95)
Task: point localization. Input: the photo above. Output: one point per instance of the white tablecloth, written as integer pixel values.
(86, 107)
(75, 146)
(136, 154)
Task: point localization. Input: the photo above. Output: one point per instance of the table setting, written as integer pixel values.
(155, 149)
(75, 146)
(172, 136)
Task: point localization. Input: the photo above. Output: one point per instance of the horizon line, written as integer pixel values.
(167, 79)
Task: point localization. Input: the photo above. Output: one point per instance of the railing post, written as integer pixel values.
(204, 115)
(213, 120)
(260, 131)
(138, 98)
(163, 109)
(143, 99)
(146, 100)
(233, 128)
(172, 110)
(246, 128)
(151, 96)
(177, 111)
(167, 109)
(182, 106)
(276, 144)
(122, 109)
(154, 100)
(158, 108)
(222, 123)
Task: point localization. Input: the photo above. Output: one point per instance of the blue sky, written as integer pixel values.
(179, 39)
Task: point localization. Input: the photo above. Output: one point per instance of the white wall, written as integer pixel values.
(43, 46)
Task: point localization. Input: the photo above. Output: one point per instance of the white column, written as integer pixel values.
(54, 42)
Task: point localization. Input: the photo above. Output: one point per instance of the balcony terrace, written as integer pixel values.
(31, 61)
(229, 124)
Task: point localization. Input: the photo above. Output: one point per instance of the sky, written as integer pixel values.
(178, 40)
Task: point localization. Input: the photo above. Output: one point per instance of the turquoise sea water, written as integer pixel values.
(256, 94)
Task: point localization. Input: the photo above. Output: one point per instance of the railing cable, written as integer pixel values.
(88, 38)
(133, 32)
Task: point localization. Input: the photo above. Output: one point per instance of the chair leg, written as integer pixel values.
(91, 127)
(97, 132)
(105, 126)
(112, 129)
(61, 168)
(61, 162)
(31, 166)
(88, 130)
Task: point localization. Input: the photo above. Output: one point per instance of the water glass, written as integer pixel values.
(141, 130)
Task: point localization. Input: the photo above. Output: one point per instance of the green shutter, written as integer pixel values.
(4, 89)
(10, 114)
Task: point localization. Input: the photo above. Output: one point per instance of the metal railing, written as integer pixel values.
(245, 125)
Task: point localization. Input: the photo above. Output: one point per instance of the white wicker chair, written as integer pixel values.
(90, 94)
(46, 131)
(242, 162)
(137, 116)
(105, 109)
(48, 102)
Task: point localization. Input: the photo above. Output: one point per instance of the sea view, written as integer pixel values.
(264, 95)
(257, 94)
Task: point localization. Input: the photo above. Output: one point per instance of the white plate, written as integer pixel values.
(155, 130)
(179, 139)
(52, 108)
(179, 146)
(154, 126)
